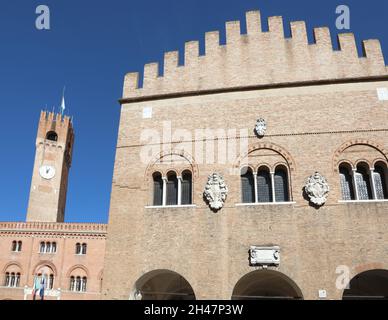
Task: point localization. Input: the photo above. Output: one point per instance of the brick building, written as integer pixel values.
(69, 255)
(255, 171)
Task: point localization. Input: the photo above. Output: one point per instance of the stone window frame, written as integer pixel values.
(164, 173)
(81, 248)
(254, 168)
(16, 246)
(48, 247)
(370, 166)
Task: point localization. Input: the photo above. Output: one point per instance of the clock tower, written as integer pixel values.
(54, 146)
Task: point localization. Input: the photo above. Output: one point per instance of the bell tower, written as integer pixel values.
(54, 146)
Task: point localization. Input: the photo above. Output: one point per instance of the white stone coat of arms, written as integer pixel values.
(261, 127)
(317, 189)
(216, 191)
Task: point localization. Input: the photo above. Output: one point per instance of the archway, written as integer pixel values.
(164, 285)
(368, 285)
(266, 285)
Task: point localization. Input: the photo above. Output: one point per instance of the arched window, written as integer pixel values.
(264, 186)
(380, 180)
(78, 284)
(78, 281)
(346, 182)
(7, 280)
(42, 248)
(186, 188)
(78, 248)
(51, 282)
(363, 183)
(83, 251)
(17, 282)
(247, 186)
(48, 247)
(19, 246)
(14, 245)
(158, 189)
(83, 287)
(72, 283)
(52, 136)
(12, 279)
(53, 247)
(172, 189)
(281, 185)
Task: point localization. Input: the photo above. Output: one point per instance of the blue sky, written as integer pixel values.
(90, 47)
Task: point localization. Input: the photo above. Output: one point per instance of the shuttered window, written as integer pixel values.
(247, 186)
(281, 186)
(158, 189)
(346, 183)
(186, 188)
(264, 187)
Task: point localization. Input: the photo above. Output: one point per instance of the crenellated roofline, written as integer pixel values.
(258, 59)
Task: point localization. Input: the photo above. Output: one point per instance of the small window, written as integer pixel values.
(52, 136)
(12, 280)
(186, 188)
(16, 246)
(51, 282)
(247, 186)
(363, 183)
(83, 287)
(72, 284)
(380, 180)
(48, 247)
(80, 249)
(158, 189)
(83, 251)
(346, 182)
(281, 185)
(7, 279)
(264, 185)
(172, 189)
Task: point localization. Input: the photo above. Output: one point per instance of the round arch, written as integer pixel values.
(190, 165)
(164, 284)
(78, 266)
(337, 154)
(368, 285)
(13, 264)
(270, 146)
(43, 264)
(266, 285)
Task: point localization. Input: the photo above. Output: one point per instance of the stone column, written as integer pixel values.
(179, 190)
(255, 185)
(355, 188)
(273, 186)
(372, 182)
(164, 191)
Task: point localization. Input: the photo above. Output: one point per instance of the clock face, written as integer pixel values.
(47, 172)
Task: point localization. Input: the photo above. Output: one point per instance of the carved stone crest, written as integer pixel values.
(317, 189)
(216, 191)
(261, 127)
